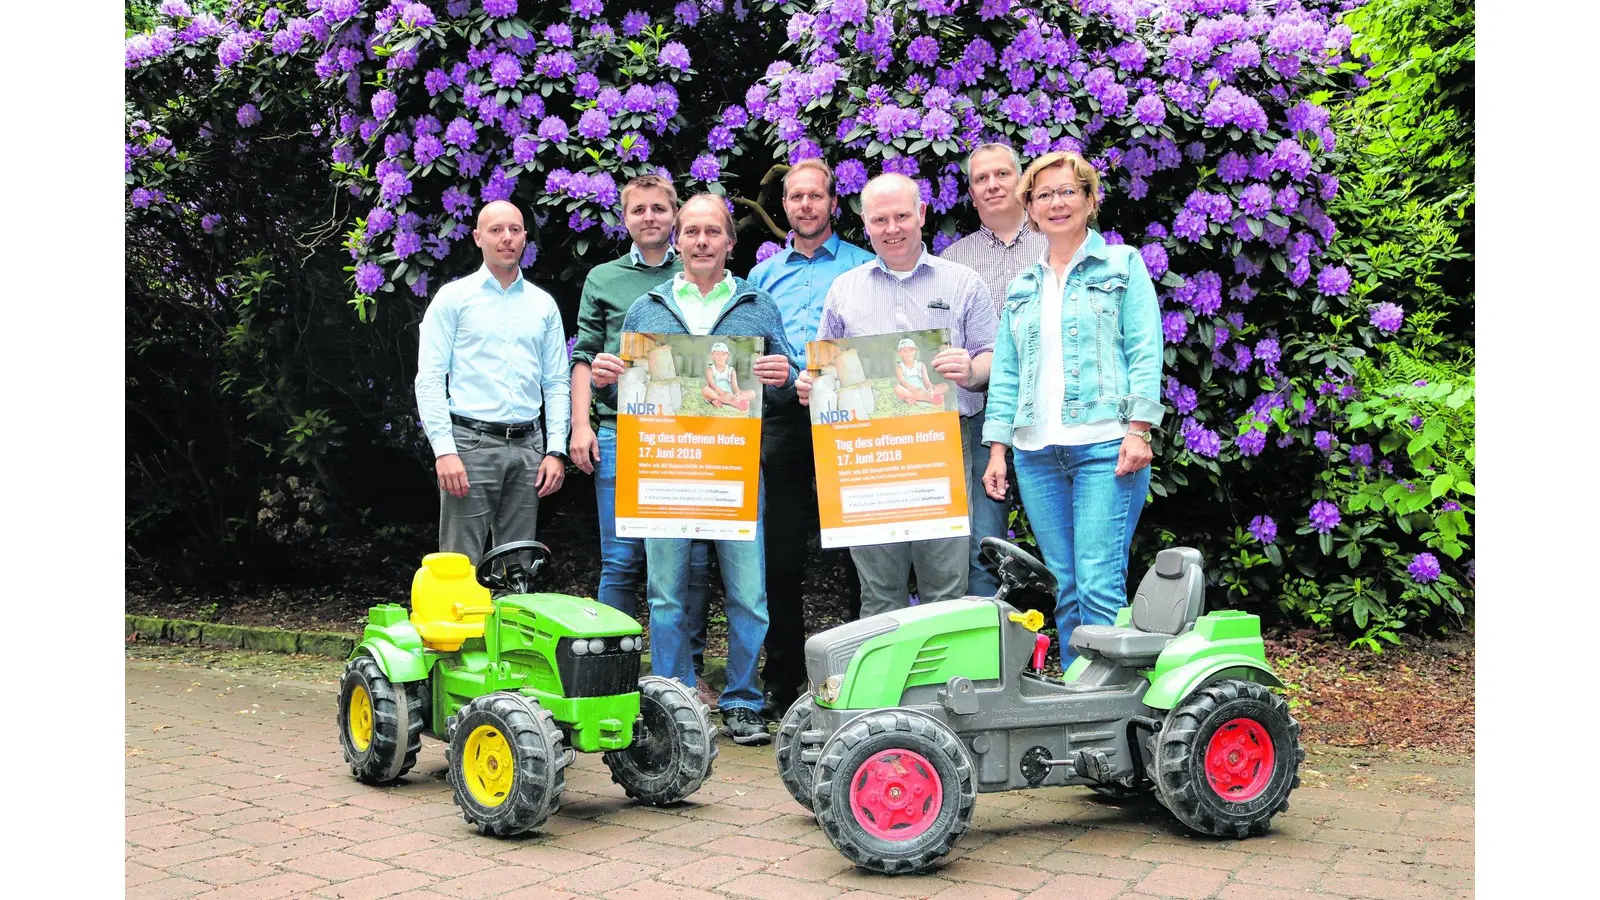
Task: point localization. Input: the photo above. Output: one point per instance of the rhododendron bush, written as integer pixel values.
(349, 143)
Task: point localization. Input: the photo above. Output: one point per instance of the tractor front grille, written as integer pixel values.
(598, 674)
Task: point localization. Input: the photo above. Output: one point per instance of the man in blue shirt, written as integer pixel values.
(492, 359)
(798, 278)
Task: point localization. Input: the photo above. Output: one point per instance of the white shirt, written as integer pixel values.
(1050, 388)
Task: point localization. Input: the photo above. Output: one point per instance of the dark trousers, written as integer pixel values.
(790, 519)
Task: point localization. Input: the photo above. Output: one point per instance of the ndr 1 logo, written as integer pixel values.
(829, 416)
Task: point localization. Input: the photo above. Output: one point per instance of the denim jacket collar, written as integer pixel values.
(1031, 278)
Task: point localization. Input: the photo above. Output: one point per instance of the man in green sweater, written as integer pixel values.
(649, 206)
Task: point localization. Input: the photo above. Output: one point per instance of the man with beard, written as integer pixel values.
(798, 278)
(1001, 247)
(705, 298)
(491, 360)
(649, 205)
(909, 289)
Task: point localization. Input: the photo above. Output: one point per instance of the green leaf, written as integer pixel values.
(1325, 541)
(1273, 554)
(1442, 484)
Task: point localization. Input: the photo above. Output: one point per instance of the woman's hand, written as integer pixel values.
(994, 477)
(802, 387)
(1134, 455)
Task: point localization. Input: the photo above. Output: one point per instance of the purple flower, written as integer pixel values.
(1324, 441)
(1263, 529)
(552, 129)
(499, 9)
(369, 277)
(1324, 516)
(1174, 326)
(674, 55)
(461, 132)
(1334, 281)
(435, 81)
(559, 34)
(378, 221)
(394, 187)
(506, 70)
(248, 115)
(1388, 317)
(1251, 442)
(1150, 110)
(735, 116)
(1361, 455)
(924, 50)
(1424, 568)
(211, 221)
(634, 22)
(705, 168)
(406, 243)
(594, 125)
(1202, 441)
(850, 176)
(766, 250)
(417, 15)
(583, 9)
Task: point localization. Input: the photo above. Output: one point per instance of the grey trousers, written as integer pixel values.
(502, 501)
(940, 564)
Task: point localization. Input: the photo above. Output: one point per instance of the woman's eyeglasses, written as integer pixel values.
(1048, 197)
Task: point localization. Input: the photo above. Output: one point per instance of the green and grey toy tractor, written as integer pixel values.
(515, 682)
(913, 713)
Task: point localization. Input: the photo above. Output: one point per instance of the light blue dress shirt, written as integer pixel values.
(504, 353)
(800, 285)
(638, 257)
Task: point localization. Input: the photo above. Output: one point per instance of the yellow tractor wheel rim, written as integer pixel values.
(360, 718)
(487, 767)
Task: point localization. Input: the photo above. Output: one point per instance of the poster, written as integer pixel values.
(688, 437)
(887, 439)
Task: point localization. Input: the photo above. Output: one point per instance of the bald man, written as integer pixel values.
(491, 363)
(909, 289)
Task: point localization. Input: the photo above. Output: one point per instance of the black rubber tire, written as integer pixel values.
(538, 758)
(1181, 782)
(673, 747)
(798, 777)
(397, 723)
(855, 743)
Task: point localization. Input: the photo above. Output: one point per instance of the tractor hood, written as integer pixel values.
(563, 615)
(872, 661)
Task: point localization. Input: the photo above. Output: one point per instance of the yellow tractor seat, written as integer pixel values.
(447, 602)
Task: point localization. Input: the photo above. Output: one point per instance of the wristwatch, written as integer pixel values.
(563, 457)
(1140, 434)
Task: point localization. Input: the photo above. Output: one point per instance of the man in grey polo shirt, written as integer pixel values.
(1001, 247)
(909, 289)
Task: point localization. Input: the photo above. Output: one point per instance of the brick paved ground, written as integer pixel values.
(235, 789)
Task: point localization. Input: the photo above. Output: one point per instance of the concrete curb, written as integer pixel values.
(333, 645)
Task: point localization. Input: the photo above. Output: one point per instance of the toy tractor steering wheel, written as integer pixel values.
(502, 570)
(1018, 568)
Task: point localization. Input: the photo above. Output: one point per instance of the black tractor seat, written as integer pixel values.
(1169, 599)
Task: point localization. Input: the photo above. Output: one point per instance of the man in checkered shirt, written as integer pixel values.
(906, 288)
(1001, 247)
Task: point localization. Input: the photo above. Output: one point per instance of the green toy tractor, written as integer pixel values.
(515, 682)
(913, 713)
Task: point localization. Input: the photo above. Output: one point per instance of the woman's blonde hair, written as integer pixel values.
(1088, 179)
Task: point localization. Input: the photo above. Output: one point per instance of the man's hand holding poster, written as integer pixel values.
(688, 437)
(887, 439)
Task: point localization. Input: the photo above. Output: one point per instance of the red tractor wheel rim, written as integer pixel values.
(1239, 760)
(896, 795)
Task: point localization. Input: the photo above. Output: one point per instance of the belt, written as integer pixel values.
(509, 432)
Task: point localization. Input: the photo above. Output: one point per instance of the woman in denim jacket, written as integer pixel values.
(1074, 390)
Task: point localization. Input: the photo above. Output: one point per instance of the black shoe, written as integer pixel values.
(777, 703)
(745, 726)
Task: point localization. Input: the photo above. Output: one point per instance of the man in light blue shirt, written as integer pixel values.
(491, 361)
(798, 278)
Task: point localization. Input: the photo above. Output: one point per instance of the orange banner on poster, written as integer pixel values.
(688, 477)
(888, 480)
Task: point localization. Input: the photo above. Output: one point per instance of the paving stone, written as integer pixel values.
(262, 806)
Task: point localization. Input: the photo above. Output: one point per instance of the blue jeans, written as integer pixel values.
(1083, 517)
(622, 559)
(743, 565)
(987, 517)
